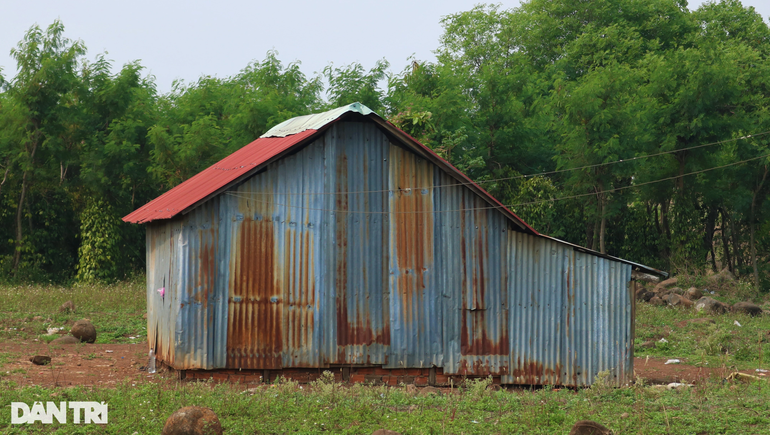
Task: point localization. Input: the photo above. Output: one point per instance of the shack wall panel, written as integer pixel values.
(161, 322)
(196, 299)
(357, 329)
(298, 252)
(415, 300)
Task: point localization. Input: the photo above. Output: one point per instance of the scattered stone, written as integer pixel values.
(411, 388)
(624, 415)
(192, 420)
(84, 330)
(40, 360)
(693, 294)
(677, 290)
(37, 319)
(647, 345)
(710, 305)
(766, 312)
(700, 321)
(67, 339)
(747, 308)
(658, 302)
(640, 293)
(671, 282)
(677, 301)
(588, 427)
(385, 432)
(430, 390)
(647, 296)
(67, 307)
(144, 316)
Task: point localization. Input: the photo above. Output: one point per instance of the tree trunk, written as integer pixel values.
(752, 245)
(725, 244)
(19, 233)
(20, 210)
(603, 228)
(5, 175)
(708, 236)
(736, 244)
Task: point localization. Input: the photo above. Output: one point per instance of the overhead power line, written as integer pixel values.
(250, 196)
(517, 177)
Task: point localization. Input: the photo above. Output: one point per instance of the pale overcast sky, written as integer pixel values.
(186, 39)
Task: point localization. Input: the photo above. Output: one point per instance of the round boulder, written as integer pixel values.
(84, 331)
(747, 308)
(710, 305)
(588, 427)
(693, 294)
(192, 420)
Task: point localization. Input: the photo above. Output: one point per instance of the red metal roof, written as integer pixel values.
(252, 156)
(215, 177)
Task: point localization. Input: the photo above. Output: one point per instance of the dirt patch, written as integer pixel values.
(106, 365)
(656, 371)
(102, 365)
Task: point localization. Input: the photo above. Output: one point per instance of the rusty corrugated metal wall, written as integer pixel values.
(355, 250)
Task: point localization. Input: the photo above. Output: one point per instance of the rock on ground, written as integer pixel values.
(67, 339)
(40, 360)
(657, 301)
(67, 307)
(84, 331)
(710, 305)
(588, 427)
(747, 308)
(693, 294)
(677, 301)
(665, 284)
(385, 432)
(192, 420)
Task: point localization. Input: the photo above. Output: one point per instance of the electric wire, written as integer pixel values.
(493, 180)
(250, 196)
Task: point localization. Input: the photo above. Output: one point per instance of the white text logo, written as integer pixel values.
(92, 412)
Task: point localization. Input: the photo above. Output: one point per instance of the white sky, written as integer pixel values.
(186, 39)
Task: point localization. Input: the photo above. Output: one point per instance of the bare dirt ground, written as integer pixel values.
(102, 365)
(106, 365)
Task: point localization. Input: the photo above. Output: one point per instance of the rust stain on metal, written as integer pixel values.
(413, 226)
(534, 372)
(255, 335)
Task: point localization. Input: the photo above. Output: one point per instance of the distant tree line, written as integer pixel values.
(581, 91)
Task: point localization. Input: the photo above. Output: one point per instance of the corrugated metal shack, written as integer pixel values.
(336, 239)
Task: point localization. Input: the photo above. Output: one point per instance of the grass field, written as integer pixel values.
(714, 406)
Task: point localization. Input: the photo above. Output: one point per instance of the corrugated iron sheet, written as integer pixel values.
(329, 256)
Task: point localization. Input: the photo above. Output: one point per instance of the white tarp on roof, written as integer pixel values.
(315, 121)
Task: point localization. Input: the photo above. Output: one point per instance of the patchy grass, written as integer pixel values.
(116, 310)
(722, 343)
(712, 407)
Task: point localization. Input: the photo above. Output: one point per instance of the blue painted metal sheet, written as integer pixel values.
(571, 314)
(181, 322)
(357, 329)
(472, 268)
(415, 300)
